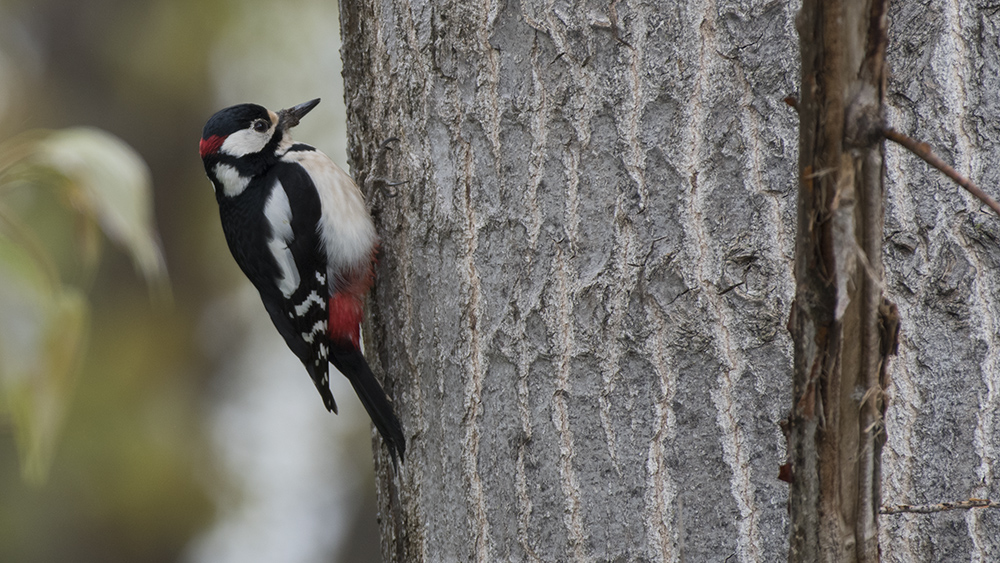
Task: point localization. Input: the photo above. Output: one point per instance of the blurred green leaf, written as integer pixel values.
(43, 319)
(42, 330)
(109, 181)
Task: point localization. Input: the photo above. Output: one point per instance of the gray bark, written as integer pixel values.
(943, 267)
(582, 291)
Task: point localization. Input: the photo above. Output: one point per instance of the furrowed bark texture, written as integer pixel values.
(942, 261)
(582, 290)
(836, 430)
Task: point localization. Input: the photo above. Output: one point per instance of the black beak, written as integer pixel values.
(288, 118)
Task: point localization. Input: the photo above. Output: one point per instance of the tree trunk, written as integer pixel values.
(583, 287)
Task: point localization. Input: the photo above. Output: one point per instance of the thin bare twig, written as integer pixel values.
(923, 150)
(940, 507)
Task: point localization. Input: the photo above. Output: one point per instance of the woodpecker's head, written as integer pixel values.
(248, 129)
(242, 141)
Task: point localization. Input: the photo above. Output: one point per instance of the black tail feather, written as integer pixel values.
(352, 364)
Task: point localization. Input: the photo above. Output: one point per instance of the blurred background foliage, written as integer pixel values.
(58, 192)
(157, 419)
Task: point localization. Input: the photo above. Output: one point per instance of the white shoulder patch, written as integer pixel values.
(232, 183)
(278, 213)
(345, 227)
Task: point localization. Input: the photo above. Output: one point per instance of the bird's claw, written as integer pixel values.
(387, 185)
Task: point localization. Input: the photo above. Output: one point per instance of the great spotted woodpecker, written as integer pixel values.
(298, 227)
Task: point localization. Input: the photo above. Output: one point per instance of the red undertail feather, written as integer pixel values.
(345, 319)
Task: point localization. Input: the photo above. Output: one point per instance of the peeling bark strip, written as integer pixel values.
(836, 429)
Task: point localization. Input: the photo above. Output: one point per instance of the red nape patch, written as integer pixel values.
(345, 319)
(210, 145)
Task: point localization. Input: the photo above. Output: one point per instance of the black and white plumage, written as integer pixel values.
(298, 227)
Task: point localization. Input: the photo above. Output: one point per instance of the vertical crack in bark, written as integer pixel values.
(581, 107)
(560, 321)
(733, 448)
(903, 449)
(661, 490)
(490, 112)
(954, 43)
(524, 507)
(474, 388)
(526, 354)
(539, 128)
(415, 510)
(524, 504)
(755, 179)
(967, 158)
(571, 166)
(527, 351)
(420, 116)
(902, 455)
(562, 318)
(624, 278)
(635, 106)
(473, 392)
(986, 423)
(411, 492)
(730, 359)
(487, 82)
(481, 544)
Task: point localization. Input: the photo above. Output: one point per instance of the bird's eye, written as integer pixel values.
(260, 126)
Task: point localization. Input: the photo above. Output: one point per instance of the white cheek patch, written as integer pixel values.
(247, 141)
(278, 213)
(233, 183)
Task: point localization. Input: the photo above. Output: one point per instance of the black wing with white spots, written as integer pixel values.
(295, 293)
